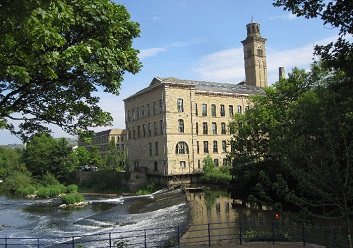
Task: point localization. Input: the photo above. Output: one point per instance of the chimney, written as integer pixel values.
(281, 73)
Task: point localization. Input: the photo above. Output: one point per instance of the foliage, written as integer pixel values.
(82, 156)
(121, 243)
(51, 191)
(16, 180)
(215, 174)
(10, 161)
(29, 190)
(44, 154)
(72, 198)
(107, 181)
(293, 148)
(49, 179)
(96, 157)
(337, 14)
(54, 59)
(253, 235)
(148, 189)
(72, 188)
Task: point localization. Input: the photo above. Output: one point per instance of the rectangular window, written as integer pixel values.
(154, 108)
(225, 162)
(144, 130)
(180, 105)
(223, 128)
(150, 148)
(182, 165)
(224, 146)
(143, 111)
(160, 106)
(214, 128)
(197, 147)
(161, 126)
(155, 128)
(197, 128)
(133, 114)
(156, 147)
(196, 111)
(181, 126)
(138, 132)
(213, 110)
(204, 109)
(205, 146)
(216, 162)
(239, 109)
(215, 146)
(223, 112)
(138, 112)
(231, 111)
(133, 133)
(205, 128)
(149, 129)
(128, 115)
(117, 146)
(148, 109)
(122, 147)
(246, 107)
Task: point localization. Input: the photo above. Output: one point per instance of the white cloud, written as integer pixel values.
(222, 66)
(228, 65)
(289, 16)
(150, 52)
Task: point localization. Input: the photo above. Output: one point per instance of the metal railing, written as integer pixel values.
(206, 235)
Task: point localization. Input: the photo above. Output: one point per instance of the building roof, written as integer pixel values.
(203, 87)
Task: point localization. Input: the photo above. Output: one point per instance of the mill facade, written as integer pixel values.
(173, 124)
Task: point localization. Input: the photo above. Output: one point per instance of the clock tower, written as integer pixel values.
(255, 56)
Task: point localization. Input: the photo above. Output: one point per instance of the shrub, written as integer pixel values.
(29, 190)
(72, 188)
(72, 198)
(51, 191)
(49, 179)
(148, 189)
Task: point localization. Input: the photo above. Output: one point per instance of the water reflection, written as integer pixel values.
(214, 206)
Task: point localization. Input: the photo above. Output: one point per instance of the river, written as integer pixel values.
(42, 218)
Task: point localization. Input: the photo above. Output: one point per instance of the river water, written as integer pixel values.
(35, 218)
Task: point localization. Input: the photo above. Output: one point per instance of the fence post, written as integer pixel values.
(73, 241)
(209, 235)
(240, 233)
(5, 242)
(38, 243)
(110, 240)
(273, 232)
(334, 237)
(303, 231)
(145, 239)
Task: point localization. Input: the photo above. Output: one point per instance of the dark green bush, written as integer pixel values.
(51, 191)
(72, 188)
(29, 190)
(72, 198)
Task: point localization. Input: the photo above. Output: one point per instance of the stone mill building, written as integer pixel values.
(173, 124)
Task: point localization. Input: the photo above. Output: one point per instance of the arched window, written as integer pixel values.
(181, 148)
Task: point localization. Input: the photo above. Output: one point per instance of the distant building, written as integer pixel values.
(102, 141)
(173, 124)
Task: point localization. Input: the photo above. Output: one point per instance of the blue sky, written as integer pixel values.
(201, 40)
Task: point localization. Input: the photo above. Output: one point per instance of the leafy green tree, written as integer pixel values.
(45, 154)
(112, 158)
(10, 161)
(96, 157)
(338, 14)
(82, 156)
(55, 55)
(298, 154)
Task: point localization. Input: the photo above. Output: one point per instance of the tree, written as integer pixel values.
(338, 14)
(82, 156)
(306, 162)
(55, 55)
(112, 158)
(45, 154)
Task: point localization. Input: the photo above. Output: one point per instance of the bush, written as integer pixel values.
(148, 189)
(16, 180)
(49, 179)
(51, 192)
(72, 188)
(29, 190)
(72, 198)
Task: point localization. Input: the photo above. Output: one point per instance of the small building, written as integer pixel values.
(102, 141)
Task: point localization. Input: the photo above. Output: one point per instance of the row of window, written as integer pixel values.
(146, 130)
(182, 164)
(152, 109)
(183, 148)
